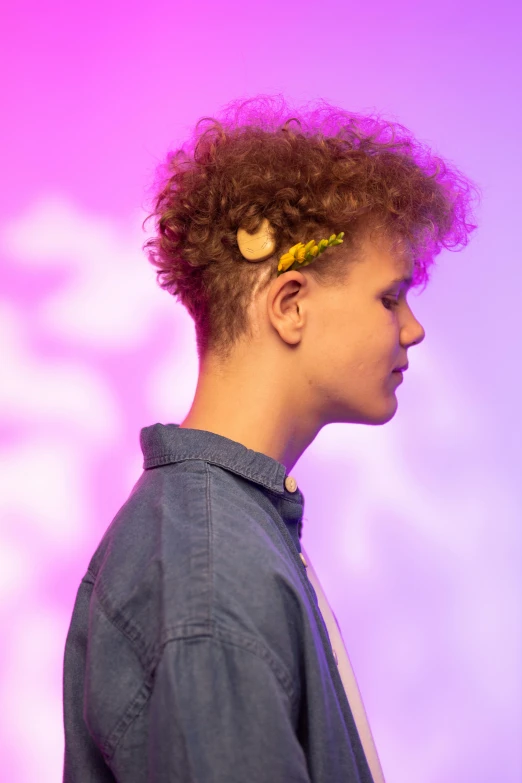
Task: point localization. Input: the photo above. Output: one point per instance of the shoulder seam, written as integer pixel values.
(213, 632)
(245, 642)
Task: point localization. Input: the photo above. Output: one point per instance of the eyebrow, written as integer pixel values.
(403, 279)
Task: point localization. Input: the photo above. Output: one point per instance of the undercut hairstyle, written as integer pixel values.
(311, 172)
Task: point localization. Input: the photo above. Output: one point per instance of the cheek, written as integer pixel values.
(356, 344)
(389, 328)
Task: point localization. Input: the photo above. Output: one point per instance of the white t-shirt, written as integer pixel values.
(347, 674)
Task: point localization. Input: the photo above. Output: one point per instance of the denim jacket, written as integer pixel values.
(196, 651)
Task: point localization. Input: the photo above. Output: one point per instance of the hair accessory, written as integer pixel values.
(257, 246)
(301, 255)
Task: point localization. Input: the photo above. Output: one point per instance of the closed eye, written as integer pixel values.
(389, 303)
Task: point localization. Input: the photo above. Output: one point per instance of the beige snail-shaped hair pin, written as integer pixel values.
(257, 246)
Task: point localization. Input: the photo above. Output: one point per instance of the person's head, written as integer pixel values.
(333, 326)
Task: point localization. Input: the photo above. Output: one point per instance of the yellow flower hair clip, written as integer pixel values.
(301, 255)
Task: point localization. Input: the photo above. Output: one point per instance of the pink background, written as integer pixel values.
(419, 545)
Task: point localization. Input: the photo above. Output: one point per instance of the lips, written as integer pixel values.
(401, 369)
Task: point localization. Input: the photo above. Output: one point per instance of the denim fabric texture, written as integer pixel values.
(196, 651)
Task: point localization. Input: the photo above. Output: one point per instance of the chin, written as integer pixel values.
(374, 415)
(377, 417)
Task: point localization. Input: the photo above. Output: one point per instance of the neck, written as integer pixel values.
(254, 404)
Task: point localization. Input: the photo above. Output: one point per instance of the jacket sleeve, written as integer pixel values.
(218, 712)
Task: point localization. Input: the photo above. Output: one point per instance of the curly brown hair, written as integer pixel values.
(311, 172)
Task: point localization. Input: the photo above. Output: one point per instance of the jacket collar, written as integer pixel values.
(164, 444)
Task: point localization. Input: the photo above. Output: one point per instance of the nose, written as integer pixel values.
(413, 332)
(421, 334)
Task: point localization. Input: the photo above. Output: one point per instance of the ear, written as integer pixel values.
(286, 305)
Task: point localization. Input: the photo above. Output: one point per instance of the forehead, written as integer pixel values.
(387, 258)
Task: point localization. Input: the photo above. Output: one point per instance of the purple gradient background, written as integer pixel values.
(414, 527)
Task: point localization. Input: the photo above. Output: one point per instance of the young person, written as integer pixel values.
(202, 647)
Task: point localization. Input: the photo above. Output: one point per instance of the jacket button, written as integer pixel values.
(290, 483)
(302, 558)
(335, 656)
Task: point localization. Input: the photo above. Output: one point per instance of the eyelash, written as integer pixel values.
(394, 302)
